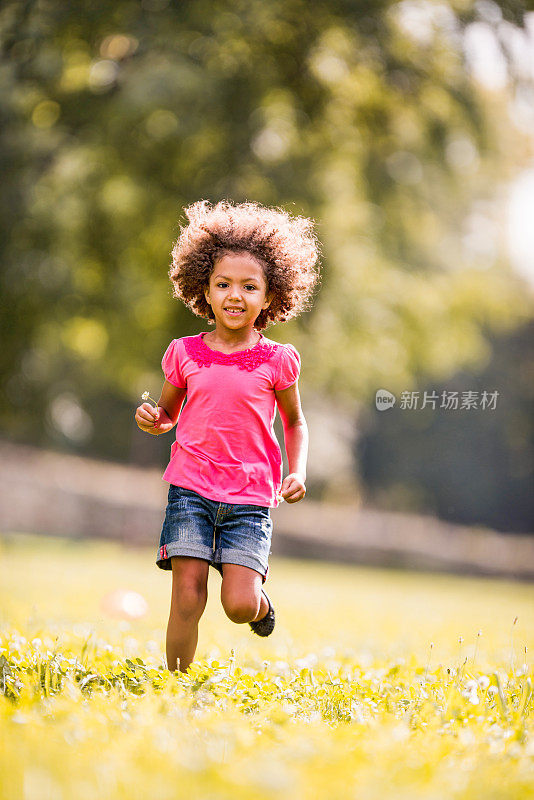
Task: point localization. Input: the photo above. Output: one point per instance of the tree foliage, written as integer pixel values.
(117, 115)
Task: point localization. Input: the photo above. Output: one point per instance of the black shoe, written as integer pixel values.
(264, 626)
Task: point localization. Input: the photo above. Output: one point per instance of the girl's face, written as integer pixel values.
(237, 282)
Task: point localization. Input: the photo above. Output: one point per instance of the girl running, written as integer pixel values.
(242, 267)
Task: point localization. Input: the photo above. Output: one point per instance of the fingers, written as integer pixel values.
(295, 497)
(150, 410)
(294, 491)
(146, 415)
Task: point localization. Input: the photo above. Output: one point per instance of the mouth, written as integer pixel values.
(234, 312)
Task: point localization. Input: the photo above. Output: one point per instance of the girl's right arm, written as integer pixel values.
(163, 418)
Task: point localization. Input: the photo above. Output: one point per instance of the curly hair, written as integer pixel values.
(284, 245)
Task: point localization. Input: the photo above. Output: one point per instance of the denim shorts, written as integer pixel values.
(221, 533)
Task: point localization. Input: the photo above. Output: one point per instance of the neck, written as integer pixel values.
(245, 336)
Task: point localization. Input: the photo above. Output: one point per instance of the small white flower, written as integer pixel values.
(473, 698)
(146, 396)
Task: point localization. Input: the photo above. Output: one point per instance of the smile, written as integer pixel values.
(234, 311)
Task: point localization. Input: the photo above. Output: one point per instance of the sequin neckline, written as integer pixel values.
(248, 359)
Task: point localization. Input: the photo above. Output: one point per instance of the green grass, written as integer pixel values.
(375, 684)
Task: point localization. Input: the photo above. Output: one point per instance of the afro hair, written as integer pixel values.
(284, 245)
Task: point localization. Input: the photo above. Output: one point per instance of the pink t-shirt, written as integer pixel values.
(226, 448)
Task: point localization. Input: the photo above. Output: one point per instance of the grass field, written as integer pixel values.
(374, 684)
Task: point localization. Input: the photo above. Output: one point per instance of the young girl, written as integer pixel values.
(242, 267)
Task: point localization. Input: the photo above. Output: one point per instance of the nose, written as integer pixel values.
(234, 293)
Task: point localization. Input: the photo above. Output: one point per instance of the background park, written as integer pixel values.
(401, 662)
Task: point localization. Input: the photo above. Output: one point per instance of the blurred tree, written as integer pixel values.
(116, 115)
(467, 465)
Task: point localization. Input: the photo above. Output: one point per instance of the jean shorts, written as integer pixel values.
(221, 533)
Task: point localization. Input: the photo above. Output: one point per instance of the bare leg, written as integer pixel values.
(264, 607)
(188, 601)
(241, 595)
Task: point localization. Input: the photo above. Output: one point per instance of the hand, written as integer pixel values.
(152, 420)
(293, 487)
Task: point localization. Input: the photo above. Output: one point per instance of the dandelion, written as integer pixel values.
(484, 682)
(471, 693)
(146, 396)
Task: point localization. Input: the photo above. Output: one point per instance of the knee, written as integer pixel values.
(241, 609)
(189, 601)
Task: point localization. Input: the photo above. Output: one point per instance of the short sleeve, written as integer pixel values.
(170, 364)
(288, 368)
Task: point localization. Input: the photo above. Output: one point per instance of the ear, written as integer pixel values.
(207, 296)
(268, 300)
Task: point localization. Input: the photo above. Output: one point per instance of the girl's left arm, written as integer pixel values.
(296, 442)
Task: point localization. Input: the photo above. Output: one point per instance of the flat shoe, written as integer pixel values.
(264, 626)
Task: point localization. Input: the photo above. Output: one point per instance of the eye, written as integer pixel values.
(248, 286)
